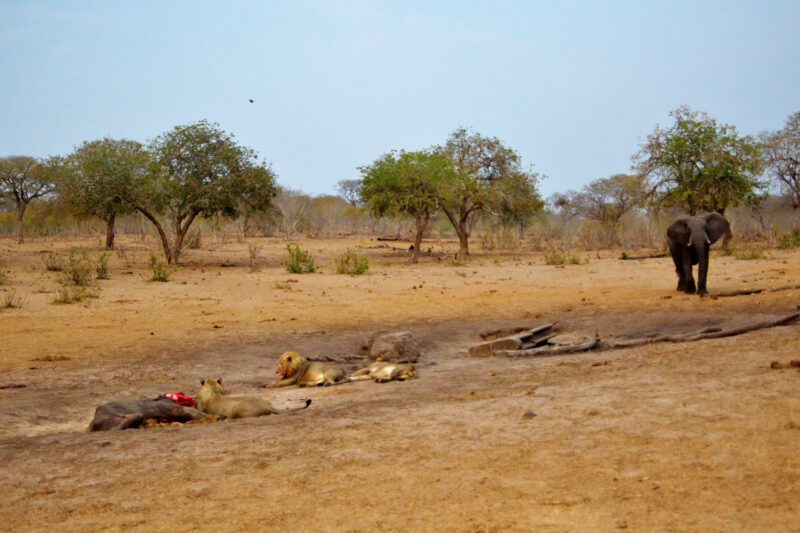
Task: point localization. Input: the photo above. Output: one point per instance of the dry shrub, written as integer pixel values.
(12, 300)
(350, 263)
(68, 295)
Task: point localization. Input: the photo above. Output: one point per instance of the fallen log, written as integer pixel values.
(745, 292)
(626, 257)
(710, 333)
(526, 337)
(554, 349)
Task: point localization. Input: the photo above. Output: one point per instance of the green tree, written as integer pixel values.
(198, 170)
(490, 178)
(407, 184)
(782, 155)
(699, 164)
(99, 175)
(24, 179)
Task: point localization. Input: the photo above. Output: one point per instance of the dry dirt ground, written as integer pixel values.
(698, 436)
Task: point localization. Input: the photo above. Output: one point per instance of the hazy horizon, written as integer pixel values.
(573, 87)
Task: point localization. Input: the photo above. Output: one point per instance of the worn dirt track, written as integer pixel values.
(696, 436)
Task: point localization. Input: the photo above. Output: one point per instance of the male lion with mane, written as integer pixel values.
(382, 372)
(212, 399)
(296, 369)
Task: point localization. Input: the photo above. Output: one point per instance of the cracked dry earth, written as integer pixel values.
(699, 436)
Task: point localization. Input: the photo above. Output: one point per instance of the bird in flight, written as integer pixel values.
(251, 100)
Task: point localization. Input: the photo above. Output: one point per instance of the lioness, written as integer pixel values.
(296, 369)
(212, 399)
(382, 372)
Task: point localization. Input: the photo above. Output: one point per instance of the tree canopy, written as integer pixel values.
(490, 178)
(198, 170)
(24, 179)
(99, 176)
(782, 155)
(699, 164)
(408, 184)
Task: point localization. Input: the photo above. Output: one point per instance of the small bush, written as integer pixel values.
(192, 240)
(68, 295)
(282, 285)
(790, 239)
(254, 249)
(2, 272)
(54, 263)
(350, 263)
(12, 300)
(299, 261)
(553, 256)
(78, 270)
(161, 270)
(102, 266)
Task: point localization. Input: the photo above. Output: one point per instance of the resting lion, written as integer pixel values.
(296, 369)
(382, 372)
(212, 399)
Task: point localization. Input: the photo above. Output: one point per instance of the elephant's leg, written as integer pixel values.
(702, 269)
(687, 270)
(676, 251)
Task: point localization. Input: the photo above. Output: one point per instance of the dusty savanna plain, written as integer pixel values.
(698, 436)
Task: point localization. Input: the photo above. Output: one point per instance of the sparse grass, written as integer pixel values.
(282, 285)
(789, 240)
(102, 267)
(254, 249)
(2, 272)
(54, 263)
(554, 256)
(161, 271)
(299, 261)
(78, 270)
(499, 237)
(455, 261)
(496, 260)
(461, 273)
(749, 253)
(350, 263)
(68, 295)
(12, 300)
(128, 256)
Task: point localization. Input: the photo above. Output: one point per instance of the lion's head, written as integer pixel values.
(214, 384)
(289, 363)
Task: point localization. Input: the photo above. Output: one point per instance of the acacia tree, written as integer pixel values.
(348, 189)
(782, 155)
(198, 170)
(699, 164)
(407, 184)
(489, 175)
(24, 179)
(99, 175)
(606, 200)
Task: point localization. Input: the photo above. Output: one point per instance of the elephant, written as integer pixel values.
(689, 239)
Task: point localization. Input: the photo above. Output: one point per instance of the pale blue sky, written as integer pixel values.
(572, 86)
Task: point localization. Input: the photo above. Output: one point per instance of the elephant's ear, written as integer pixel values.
(717, 226)
(679, 232)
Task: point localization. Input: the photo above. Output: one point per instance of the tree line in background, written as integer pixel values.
(198, 171)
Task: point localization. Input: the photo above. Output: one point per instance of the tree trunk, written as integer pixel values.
(181, 229)
(163, 236)
(461, 228)
(21, 206)
(421, 223)
(110, 231)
